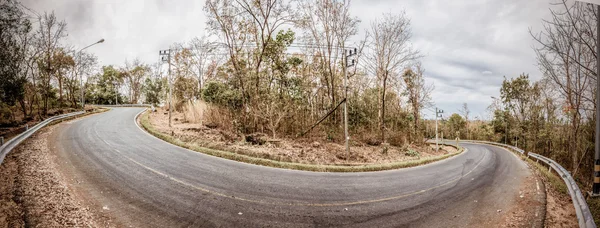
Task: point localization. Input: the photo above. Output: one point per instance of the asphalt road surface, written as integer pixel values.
(135, 179)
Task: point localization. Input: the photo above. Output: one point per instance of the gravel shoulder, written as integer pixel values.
(34, 193)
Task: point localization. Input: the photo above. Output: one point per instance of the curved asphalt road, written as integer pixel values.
(140, 180)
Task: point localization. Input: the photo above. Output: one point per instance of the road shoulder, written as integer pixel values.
(35, 193)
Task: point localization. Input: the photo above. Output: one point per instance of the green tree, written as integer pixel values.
(105, 88)
(516, 94)
(62, 62)
(457, 124)
(13, 23)
(152, 90)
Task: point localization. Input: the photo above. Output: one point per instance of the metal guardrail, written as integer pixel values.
(584, 216)
(14, 142)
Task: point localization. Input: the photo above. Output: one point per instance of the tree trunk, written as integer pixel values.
(417, 137)
(382, 118)
(60, 92)
(23, 108)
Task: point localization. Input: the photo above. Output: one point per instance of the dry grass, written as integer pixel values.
(265, 159)
(193, 111)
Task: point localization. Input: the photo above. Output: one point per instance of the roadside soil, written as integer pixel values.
(560, 211)
(529, 208)
(557, 208)
(34, 193)
(313, 151)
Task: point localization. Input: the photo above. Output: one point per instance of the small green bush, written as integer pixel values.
(221, 94)
(412, 153)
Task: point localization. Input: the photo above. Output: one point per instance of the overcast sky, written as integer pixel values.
(469, 45)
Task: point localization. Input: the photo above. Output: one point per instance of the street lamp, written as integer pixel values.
(81, 75)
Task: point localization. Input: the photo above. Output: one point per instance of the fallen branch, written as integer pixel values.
(322, 118)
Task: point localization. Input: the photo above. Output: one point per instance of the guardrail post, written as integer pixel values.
(26, 127)
(1, 141)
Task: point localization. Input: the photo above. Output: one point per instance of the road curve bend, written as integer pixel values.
(135, 179)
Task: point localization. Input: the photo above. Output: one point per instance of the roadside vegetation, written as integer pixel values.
(309, 157)
(41, 73)
(283, 72)
(286, 75)
(555, 115)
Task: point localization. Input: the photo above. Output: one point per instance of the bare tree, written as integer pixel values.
(327, 26)
(565, 51)
(134, 74)
(389, 51)
(224, 21)
(48, 36)
(204, 54)
(418, 93)
(85, 64)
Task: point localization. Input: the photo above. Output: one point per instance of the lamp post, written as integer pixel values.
(81, 75)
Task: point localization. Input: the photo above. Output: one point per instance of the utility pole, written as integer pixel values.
(438, 113)
(166, 57)
(344, 68)
(596, 186)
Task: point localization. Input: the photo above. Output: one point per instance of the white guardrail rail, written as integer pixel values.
(584, 216)
(14, 142)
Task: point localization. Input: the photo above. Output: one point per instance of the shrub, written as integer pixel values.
(412, 153)
(220, 94)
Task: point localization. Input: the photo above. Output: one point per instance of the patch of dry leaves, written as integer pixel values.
(560, 211)
(33, 193)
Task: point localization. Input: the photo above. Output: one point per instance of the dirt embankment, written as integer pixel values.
(33, 193)
(313, 151)
(560, 211)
